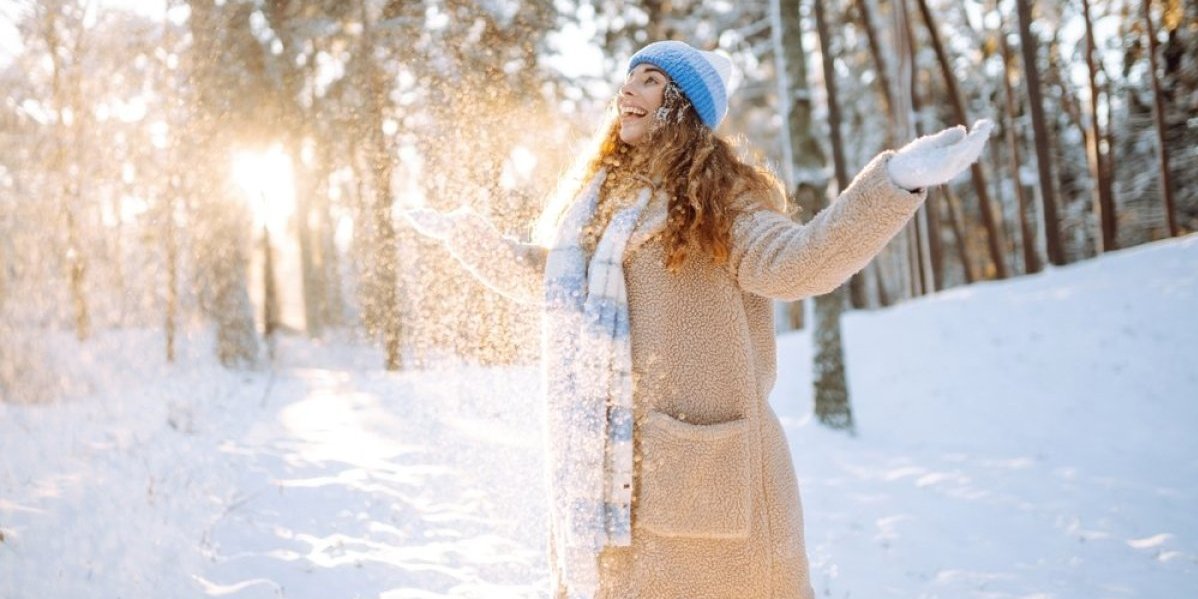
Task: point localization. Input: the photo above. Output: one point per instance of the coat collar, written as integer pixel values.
(651, 222)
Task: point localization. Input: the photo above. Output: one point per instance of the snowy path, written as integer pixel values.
(358, 492)
(312, 483)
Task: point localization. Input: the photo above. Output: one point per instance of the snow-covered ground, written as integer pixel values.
(1035, 438)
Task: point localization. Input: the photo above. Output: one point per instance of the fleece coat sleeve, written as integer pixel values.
(773, 256)
(513, 269)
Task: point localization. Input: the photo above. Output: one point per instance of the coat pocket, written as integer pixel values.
(695, 478)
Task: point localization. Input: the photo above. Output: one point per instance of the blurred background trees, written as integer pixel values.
(151, 148)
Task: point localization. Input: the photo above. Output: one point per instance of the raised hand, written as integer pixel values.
(938, 158)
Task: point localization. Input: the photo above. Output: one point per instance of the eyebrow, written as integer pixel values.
(653, 69)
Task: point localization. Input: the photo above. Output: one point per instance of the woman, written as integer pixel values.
(669, 474)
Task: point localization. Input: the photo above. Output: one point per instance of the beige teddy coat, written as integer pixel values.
(716, 507)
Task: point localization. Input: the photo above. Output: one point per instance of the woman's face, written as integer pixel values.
(640, 97)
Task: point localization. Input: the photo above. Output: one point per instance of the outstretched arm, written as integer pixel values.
(513, 269)
(775, 257)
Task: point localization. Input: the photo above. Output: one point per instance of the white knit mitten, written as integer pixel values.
(938, 158)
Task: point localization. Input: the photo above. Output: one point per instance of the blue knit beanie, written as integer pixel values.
(701, 75)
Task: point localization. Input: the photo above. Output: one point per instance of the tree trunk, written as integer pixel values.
(1158, 115)
(832, 405)
(919, 281)
(992, 224)
(385, 261)
(222, 229)
(328, 270)
(1109, 156)
(1031, 258)
(168, 205)
(1070, 178)
(1027, 42)
(958, 239)
(270, 293)
(294, 127)
(1104, 206)
(62, 100)
(904, 125)
(865, 12)
(803, 158)
(957, 220)
(919, 238)
(904, 86)
(838, 163)
(308, 271)
(170, 238)
(880, 283)
(1010, 226)
(933, 227)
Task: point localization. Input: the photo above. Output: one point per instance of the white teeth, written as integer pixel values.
(633, 111)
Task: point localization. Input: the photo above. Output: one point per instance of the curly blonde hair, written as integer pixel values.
(699, 171)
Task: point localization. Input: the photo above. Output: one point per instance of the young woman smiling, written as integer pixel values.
(668, 472)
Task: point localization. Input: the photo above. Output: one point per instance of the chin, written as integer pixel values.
(631, 135)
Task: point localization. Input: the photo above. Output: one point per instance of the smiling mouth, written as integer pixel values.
(632, 113)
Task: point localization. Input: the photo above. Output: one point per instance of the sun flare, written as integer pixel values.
(268, 181)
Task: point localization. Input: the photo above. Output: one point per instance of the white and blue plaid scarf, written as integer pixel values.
(588, 381)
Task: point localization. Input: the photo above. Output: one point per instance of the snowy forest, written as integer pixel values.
(199, 234)
(152, 154)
